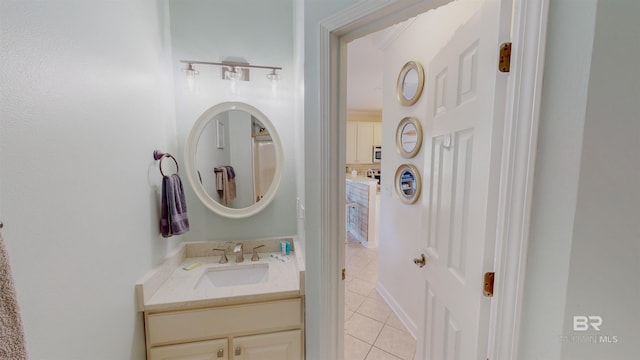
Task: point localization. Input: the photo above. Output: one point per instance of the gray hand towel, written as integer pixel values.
(12, 344)
(173, 218)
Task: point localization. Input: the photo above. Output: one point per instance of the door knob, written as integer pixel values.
(221, 353)
(238, 351)
(420, 261)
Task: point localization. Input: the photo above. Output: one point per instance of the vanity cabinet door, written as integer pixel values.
(285, 345)
(201, 350)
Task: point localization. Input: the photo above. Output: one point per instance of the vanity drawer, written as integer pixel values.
(191, 325)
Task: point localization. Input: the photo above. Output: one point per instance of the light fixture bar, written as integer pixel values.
(230, 64)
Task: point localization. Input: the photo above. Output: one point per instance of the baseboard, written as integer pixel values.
(395, 307)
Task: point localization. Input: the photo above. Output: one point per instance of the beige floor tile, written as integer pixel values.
(375, 309)
(366, 312)
(377, 354)
(396, 342)
(363, 328)
(360, 286)
(347, 314)
(395, 322)
(352, 301)
(355, 349)
(356, 262)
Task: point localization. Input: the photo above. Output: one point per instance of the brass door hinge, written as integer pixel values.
(504, 63)
(344, 273)
(488, 284)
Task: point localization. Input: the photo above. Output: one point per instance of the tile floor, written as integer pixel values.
(372, 330)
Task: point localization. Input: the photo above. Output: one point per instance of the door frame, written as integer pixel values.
(524, 87)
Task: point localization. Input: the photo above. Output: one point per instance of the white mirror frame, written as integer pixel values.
(191, 147)
(400, 132)
(411, 65)
(398, 185)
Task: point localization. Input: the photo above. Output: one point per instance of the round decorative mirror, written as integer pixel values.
(407, 181)
(234, 159)
(410, 83)
(409, 137)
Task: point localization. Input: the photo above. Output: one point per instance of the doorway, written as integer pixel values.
(364, 18)
(372, 329)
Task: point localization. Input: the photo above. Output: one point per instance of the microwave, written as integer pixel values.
(376, 154)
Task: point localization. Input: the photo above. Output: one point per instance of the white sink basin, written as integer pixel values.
(234, 275)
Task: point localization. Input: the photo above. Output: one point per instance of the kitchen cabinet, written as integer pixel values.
(361, 137)
(261, 330)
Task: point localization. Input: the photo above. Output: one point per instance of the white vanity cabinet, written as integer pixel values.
(261, 330)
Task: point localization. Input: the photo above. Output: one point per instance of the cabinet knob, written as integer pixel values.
(238, 351)
(221, 353)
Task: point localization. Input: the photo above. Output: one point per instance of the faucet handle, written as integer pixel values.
(254, 256)
(223, 258)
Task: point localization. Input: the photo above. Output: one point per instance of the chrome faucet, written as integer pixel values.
(223, 258)
(238, 251)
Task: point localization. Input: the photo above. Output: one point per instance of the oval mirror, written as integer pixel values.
(234, 159)
(407, 181)
(410, 83)
(409, 137)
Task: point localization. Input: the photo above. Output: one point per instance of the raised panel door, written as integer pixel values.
(462, 155)
(201, 350)
(284, 345)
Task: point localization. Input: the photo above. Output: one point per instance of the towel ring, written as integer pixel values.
(159, 156)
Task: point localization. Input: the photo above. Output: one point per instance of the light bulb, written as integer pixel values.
(273, 75)
(234, 74)
(190, 71)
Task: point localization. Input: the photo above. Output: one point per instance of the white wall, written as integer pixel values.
(584, 250)
(605, 251)
(85, 98)
(401, 226)
(262, 33)
(564, 97)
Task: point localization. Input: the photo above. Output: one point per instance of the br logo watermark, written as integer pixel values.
(583, 323)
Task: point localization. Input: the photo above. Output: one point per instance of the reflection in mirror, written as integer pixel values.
(409, 137)
(410, 83)
(407, 183)
(237, 174)
(234, 159)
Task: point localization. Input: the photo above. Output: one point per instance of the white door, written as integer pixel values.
(462, 157)
(285, 345)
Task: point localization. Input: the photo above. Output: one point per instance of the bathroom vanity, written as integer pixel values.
(196, 308)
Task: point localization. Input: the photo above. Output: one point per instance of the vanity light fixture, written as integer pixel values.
(190, 71)
(231, 70)
(273, 75)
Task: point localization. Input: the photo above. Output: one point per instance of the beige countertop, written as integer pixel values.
(361, 179)
(171, 287)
